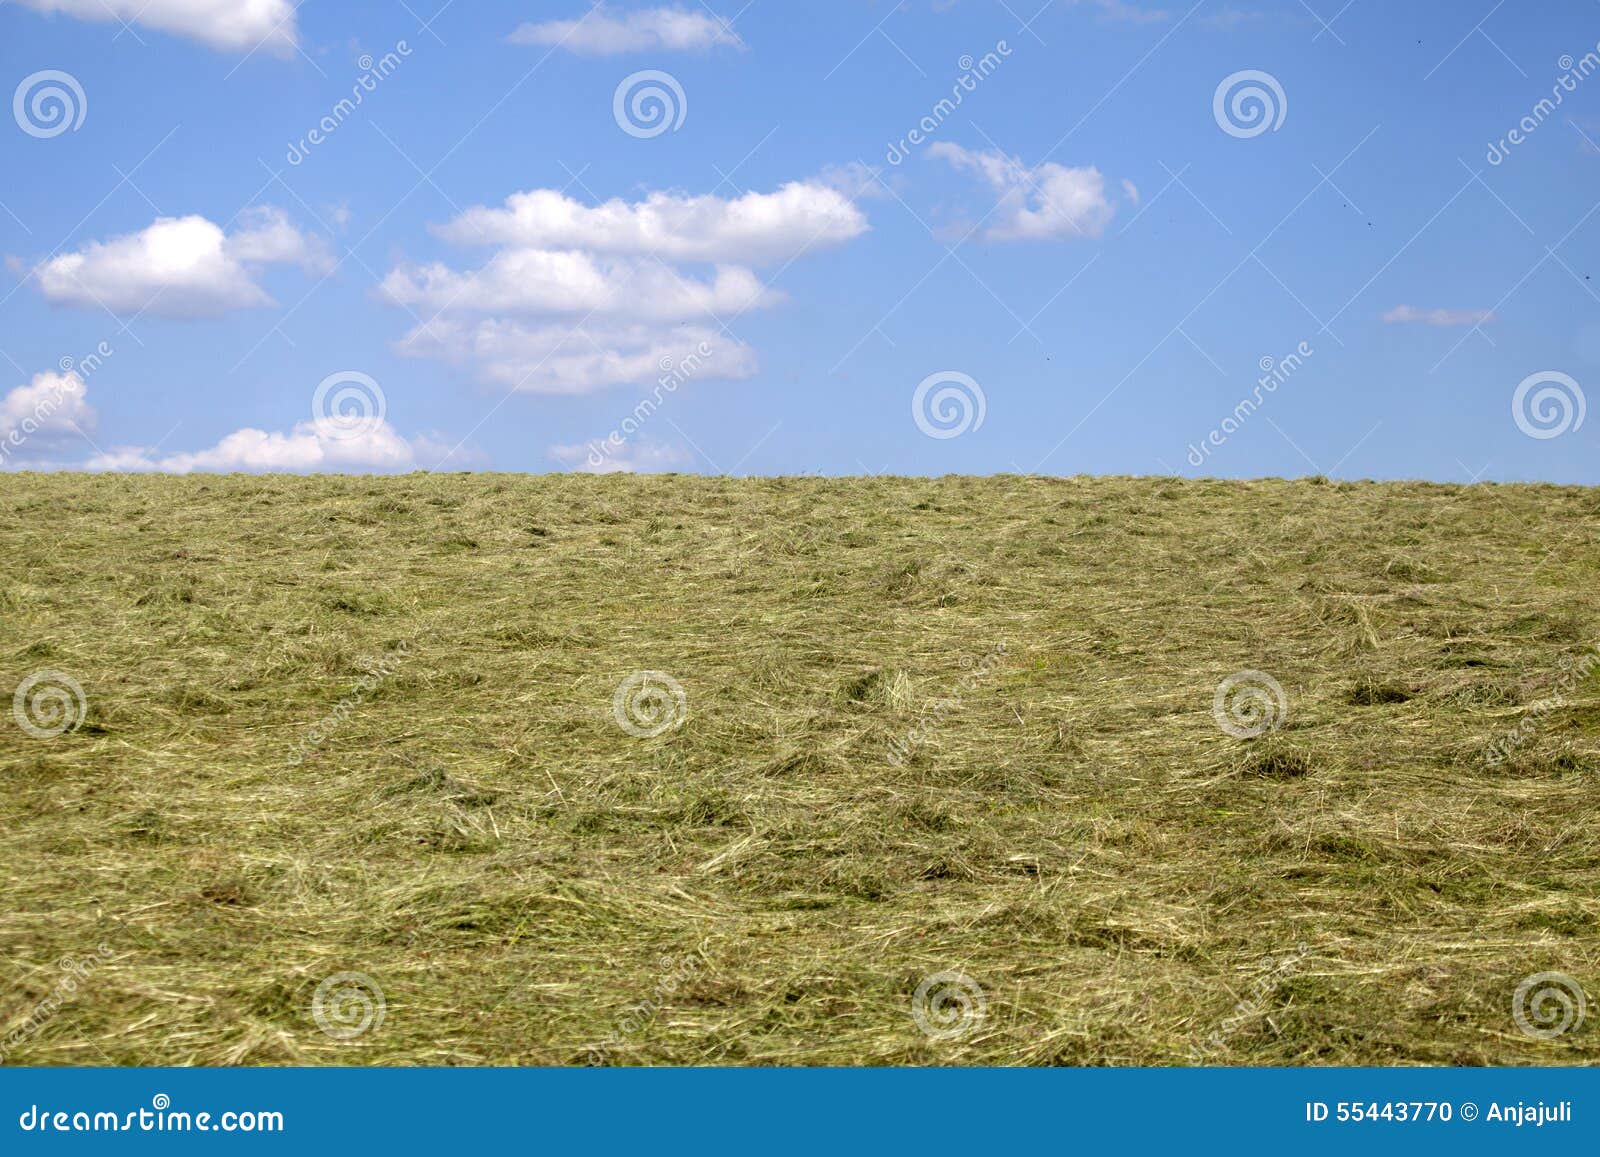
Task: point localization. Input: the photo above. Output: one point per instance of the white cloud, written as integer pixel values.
(37, 418)
(226, 24)
(305, 449)
(854, 180)
(52, 412)
(1443, 317)
(577, 298)
(559, 359)
(1120, 10)
(1048, 202)
(606, 456)
(600, 33)
(754, 229)
(555, 282)
(180, 266)
(269, 238)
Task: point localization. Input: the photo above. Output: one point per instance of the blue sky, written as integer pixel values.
(1096, 249)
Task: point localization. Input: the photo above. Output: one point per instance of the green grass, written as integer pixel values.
(772, 880)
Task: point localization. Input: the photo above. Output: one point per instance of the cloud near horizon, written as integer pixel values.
(39, 421)
(38, 418)
(631, 457)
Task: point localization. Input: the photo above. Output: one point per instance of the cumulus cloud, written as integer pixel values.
(753, 229)
(1048, 202)
(181, 266)
(50, 414)
(226, 24)
(1408, 314)
(579, 297)
(608, 456)
(561, 359)
(37, 418)
(310, 447)
(542, 281)
(598, 32)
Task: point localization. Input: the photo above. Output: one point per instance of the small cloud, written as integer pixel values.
(854, 180)
(1048, 202)
(600, 33)
(1230, 17)
(1124, 13)
(1130, 190)
(617, 456)
(1410, 314)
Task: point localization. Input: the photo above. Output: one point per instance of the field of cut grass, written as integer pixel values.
(954, 735)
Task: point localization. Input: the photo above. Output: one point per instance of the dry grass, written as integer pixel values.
(1126, 882)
